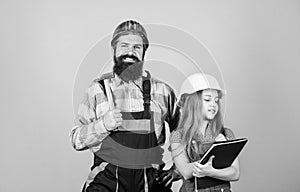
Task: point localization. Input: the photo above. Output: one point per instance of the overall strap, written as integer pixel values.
(146, 94)
(103, 85)
(146, 97)
(101, 79)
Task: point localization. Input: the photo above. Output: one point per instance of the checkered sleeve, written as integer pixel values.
(229, 134)
(89, 129)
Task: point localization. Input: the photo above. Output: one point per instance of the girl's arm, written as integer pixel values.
(231, 173)
(181, 160)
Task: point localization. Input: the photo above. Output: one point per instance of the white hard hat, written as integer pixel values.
(198, 82)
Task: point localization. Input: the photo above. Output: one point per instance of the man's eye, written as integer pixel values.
(207, 100)
(137, 47)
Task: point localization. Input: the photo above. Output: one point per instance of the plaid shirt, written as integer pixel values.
(89, 130)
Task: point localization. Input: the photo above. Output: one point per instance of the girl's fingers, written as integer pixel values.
(198, 165)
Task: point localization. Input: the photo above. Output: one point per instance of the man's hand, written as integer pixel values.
(165, 178)
(112, 119)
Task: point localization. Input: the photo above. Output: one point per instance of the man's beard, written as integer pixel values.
(128, 70)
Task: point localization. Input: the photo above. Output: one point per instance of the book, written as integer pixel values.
(225, 153)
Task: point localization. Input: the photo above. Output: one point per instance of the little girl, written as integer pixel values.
(199, 126)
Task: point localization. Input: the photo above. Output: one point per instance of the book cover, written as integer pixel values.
(225, 152)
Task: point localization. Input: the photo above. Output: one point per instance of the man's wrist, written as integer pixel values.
(101, 128)
(105, 127)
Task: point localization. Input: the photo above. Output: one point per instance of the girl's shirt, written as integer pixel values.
(203, 144)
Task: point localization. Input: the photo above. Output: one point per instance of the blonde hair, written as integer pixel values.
(190, 121)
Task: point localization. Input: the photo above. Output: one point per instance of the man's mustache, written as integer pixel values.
(123, 57)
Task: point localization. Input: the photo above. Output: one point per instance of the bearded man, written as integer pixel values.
(122, 120)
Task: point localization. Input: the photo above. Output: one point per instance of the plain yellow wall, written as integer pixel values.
(44, 46)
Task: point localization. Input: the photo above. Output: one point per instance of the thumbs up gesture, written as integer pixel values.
(112, 119)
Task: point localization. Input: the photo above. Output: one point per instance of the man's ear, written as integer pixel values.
(113, 50)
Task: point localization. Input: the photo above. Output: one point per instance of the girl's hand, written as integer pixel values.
(200, 170)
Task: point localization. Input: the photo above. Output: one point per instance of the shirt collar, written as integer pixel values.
(119, 81)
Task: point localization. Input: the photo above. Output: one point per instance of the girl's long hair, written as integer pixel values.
(190, 122)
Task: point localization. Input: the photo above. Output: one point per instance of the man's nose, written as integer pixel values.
(130, 50)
